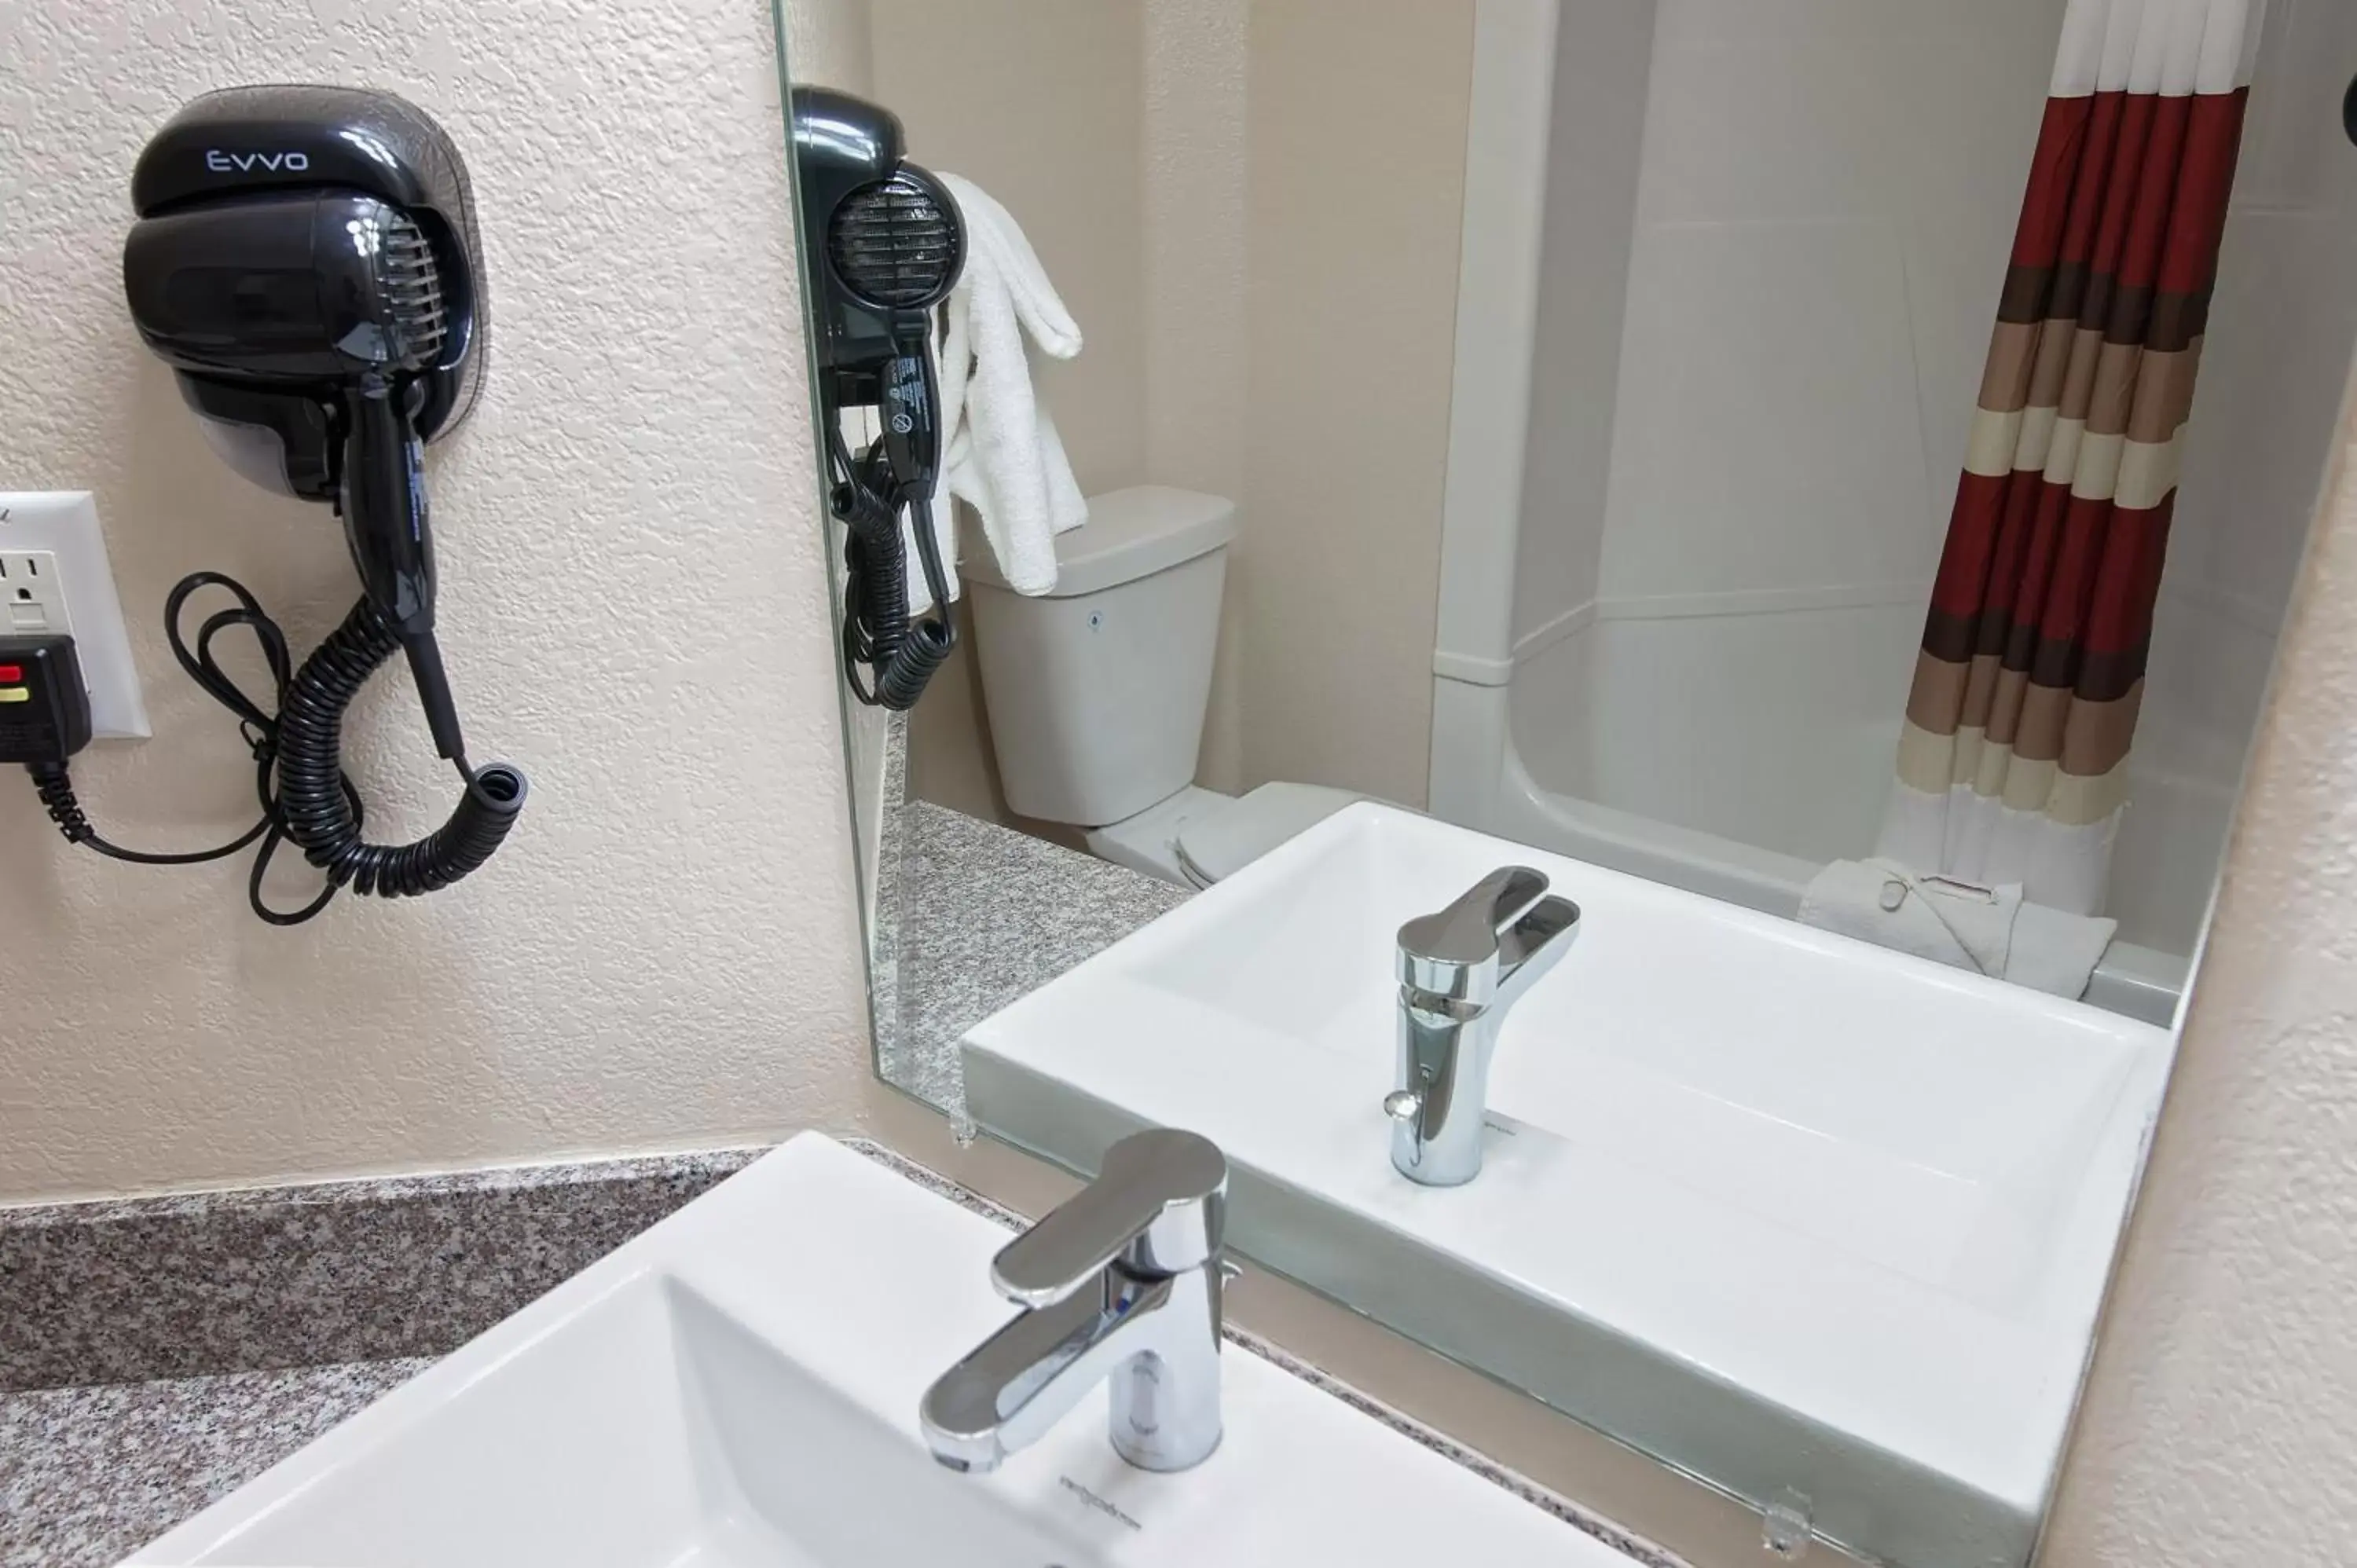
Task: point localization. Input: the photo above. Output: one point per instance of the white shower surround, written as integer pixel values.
(1479, 773)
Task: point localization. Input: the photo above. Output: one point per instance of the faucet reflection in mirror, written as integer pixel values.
(1460, 970)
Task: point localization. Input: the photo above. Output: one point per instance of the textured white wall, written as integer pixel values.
(1356, 138)
(2220, 1426)
(634, 610)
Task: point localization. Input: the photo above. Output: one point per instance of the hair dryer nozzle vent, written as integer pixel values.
(898, 243)
(413, 294)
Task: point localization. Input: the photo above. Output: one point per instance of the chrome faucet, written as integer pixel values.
(1460, 970)
(1121, 1284)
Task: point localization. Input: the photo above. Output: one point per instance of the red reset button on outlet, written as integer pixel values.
(11, 675)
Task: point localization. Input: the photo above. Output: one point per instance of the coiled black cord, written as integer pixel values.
(297, 745)
(316, 801)
(877, 632)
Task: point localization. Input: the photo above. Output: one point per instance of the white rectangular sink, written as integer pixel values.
(1787, 1209)
(739, 1386)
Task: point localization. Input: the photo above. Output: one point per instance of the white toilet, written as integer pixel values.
(1097, 691)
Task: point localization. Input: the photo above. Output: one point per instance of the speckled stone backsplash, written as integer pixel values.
(272, 1278)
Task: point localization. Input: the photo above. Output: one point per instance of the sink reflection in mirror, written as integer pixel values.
(1824, 1211)
(1652, 446)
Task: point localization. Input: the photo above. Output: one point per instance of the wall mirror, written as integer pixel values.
(1614, 642)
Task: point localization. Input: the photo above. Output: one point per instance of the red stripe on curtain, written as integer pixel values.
(2127, 582)
(2197, 225)
(2156, 193)
(2063, 613)
(2119, 199)
(2102, 141)
(1998, 596)
(1964, 580)
(2053, 169)
(2041, 555)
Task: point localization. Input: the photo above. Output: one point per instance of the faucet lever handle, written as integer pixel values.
(1546, 929)
(1157, 1206)
(1454, 952)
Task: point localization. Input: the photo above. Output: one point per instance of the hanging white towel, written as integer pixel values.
(1001, 453)
(1991, 931)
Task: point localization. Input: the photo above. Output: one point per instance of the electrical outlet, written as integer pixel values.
(55, 577)
(32, 599)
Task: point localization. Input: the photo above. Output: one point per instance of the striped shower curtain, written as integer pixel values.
(2014, 759)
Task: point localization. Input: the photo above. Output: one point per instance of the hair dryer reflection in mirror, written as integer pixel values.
(884, 242)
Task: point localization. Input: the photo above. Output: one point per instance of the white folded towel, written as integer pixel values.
(1001, 453)
(1992, 931)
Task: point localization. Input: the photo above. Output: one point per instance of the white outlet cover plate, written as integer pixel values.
(63, 525)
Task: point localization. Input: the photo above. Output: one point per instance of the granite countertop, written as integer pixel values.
(90, 1475)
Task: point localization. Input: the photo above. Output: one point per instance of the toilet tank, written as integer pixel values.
(1097, 690)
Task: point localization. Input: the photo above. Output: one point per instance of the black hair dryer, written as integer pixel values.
(882, 245)
(306, 260)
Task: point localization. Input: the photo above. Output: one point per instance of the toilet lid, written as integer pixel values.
(1225, 841)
